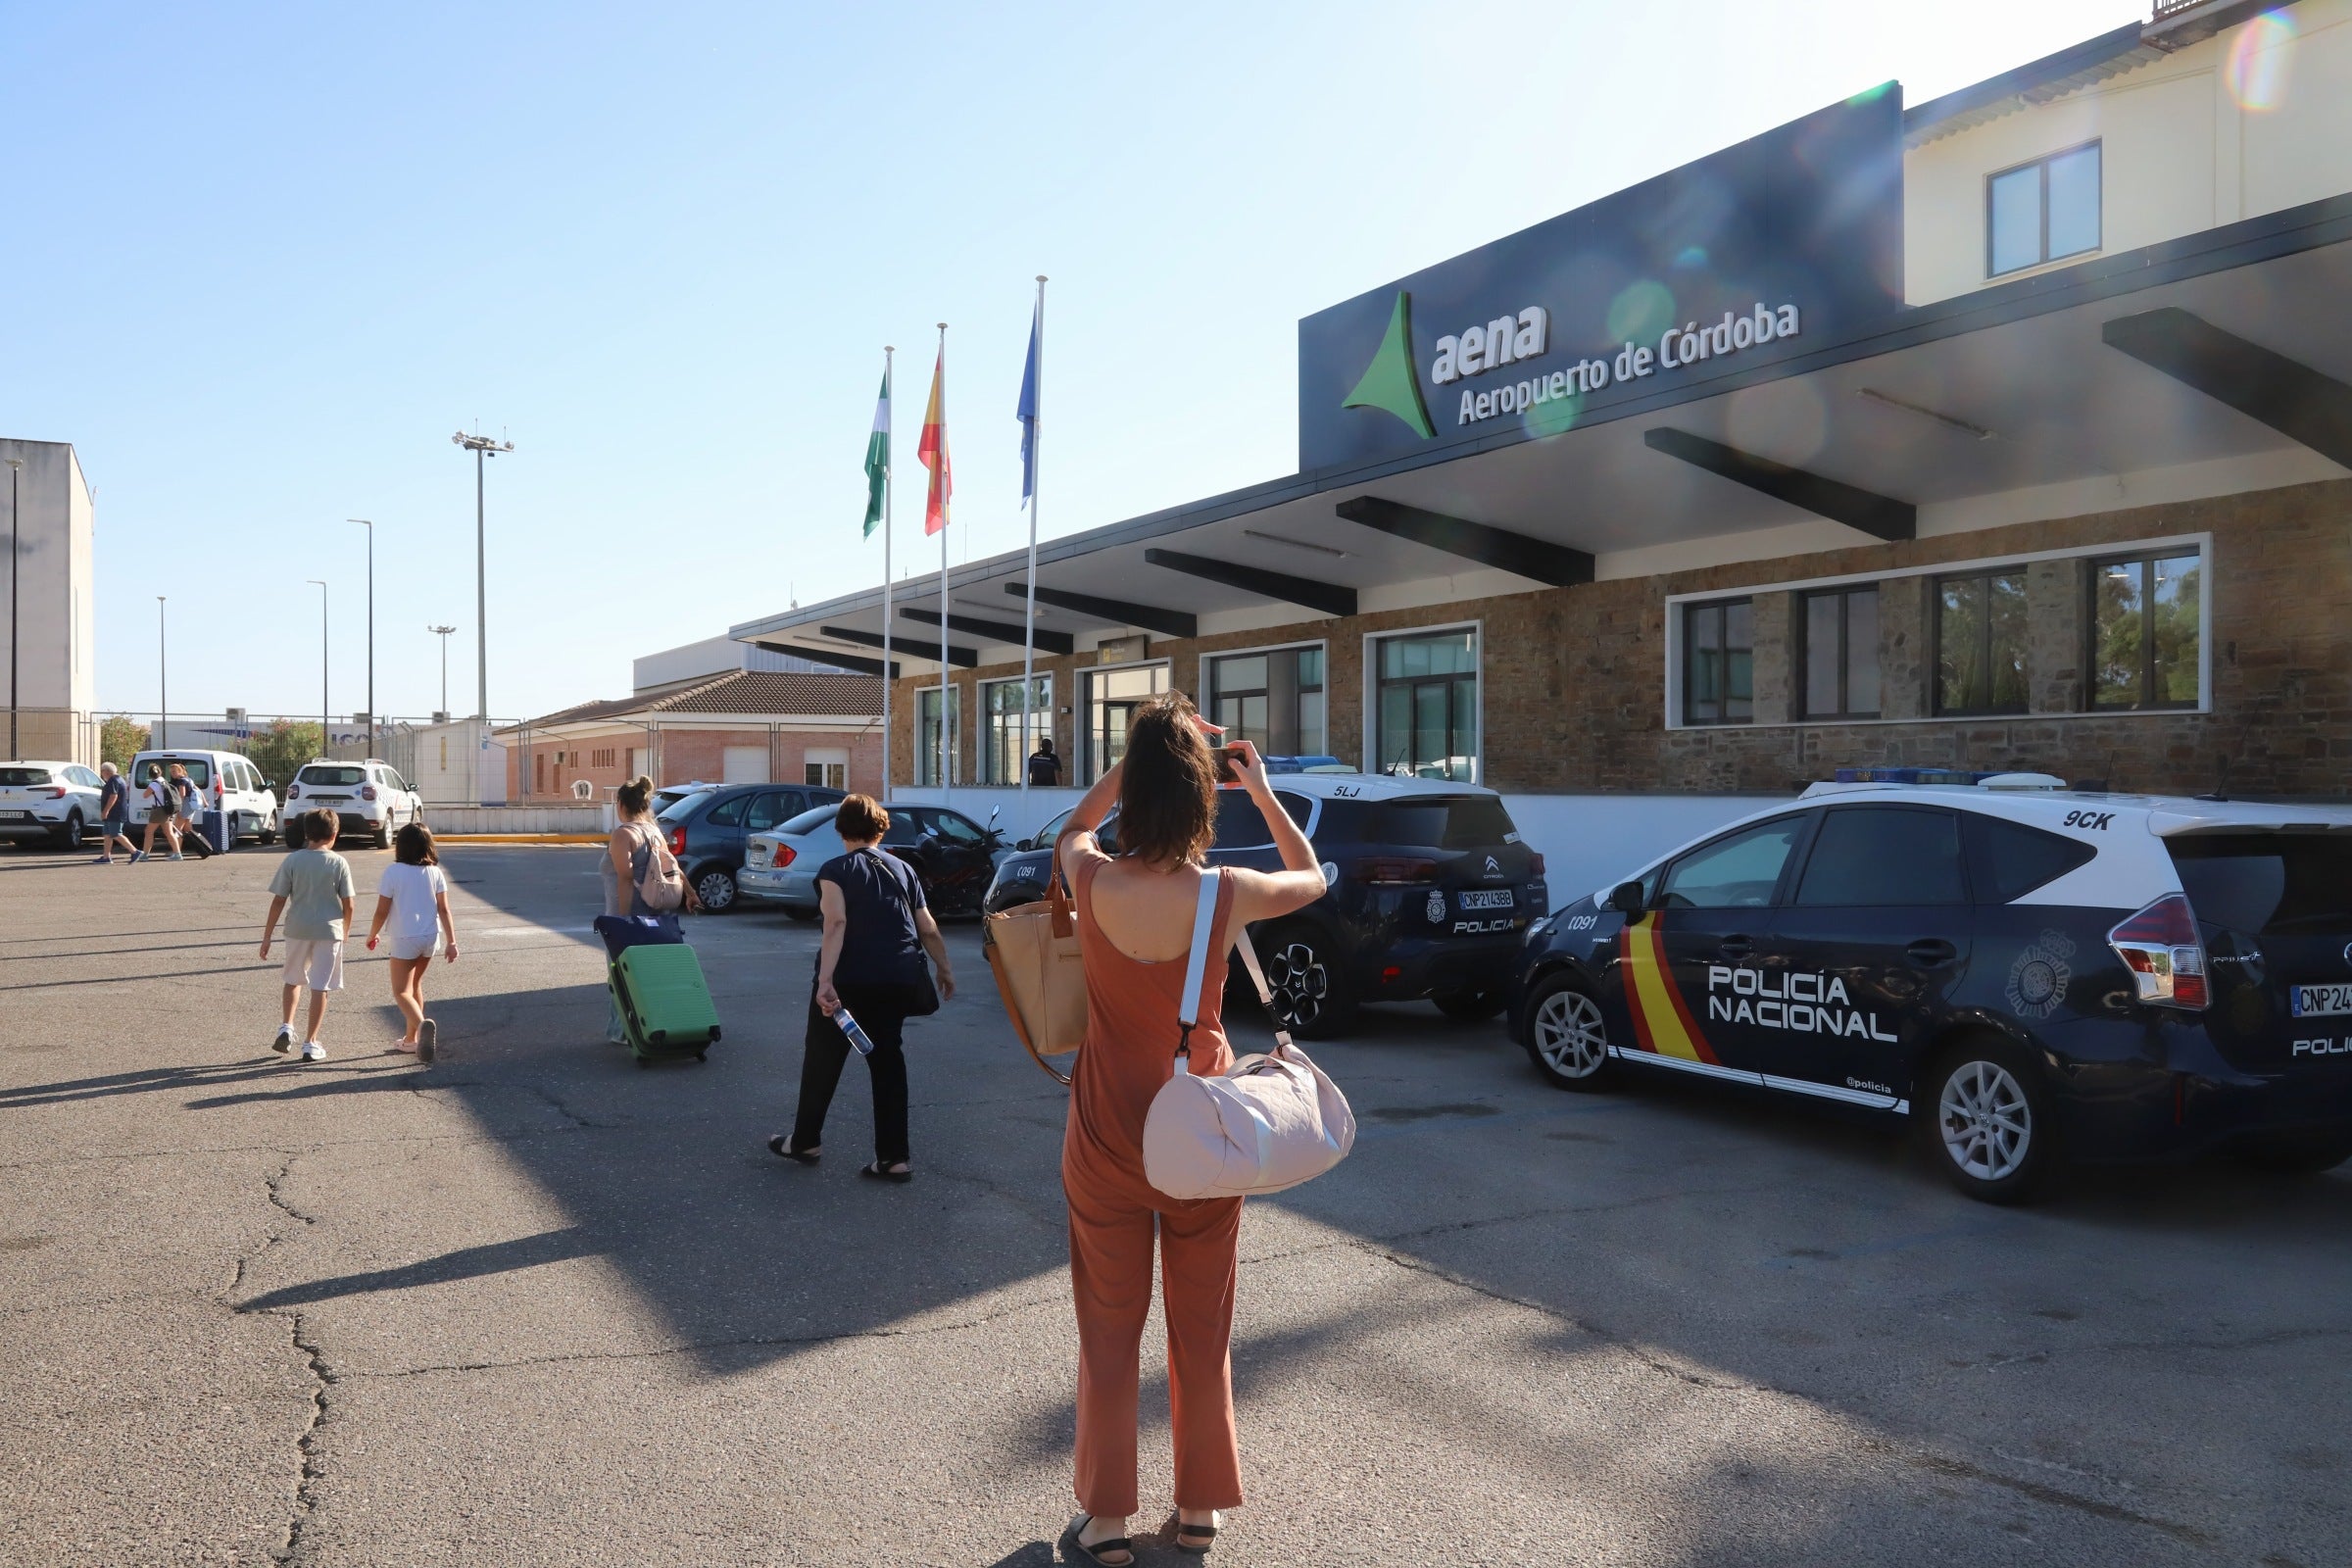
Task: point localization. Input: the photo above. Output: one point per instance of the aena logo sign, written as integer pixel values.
(1391, 381)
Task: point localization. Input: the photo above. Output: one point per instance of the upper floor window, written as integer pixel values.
(1841, 646)
(2041, 212)
(1718, 662)
(2144, 626)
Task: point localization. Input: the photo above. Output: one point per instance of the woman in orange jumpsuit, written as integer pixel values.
(1135, 923)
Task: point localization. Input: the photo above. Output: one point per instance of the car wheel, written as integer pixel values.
(1468, 1006)
(70, 836)
(1566, 1037)
(715, 887)
(1311, 997)
(292, 838)
(1987, 1121)
(381, 838)
(2297, 1153)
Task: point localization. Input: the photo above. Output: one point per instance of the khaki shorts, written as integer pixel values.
(314, 962)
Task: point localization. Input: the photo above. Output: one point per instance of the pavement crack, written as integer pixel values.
(310, 1470)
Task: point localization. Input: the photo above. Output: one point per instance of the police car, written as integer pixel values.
(2028, 973)
(1430, 892)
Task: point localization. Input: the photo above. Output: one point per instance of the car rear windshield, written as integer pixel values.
(339, 777)
(1241, 825)
(1446, 822)
(2261, 883)
(811, 821)
(23, 775)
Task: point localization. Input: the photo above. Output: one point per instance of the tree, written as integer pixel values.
(282, 749)
(121, 738)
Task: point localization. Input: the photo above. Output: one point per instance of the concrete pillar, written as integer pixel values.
(1906, 649)
(2054, 641)
(1773, 669)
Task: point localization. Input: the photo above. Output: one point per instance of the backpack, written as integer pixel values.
(663, 887)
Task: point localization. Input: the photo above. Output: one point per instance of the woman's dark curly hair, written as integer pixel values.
(1168, 792)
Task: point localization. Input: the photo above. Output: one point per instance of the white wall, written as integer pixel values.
(2179, 151)
(454, 769)
(713, 656)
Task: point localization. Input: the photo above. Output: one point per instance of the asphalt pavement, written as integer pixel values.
(536, 1306)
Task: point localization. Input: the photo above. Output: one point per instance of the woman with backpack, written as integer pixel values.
(1137, 916)
(630, 854)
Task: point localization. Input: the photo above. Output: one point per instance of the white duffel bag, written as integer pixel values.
(1268, 1122)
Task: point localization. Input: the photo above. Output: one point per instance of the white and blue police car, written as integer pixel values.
(2029, 973)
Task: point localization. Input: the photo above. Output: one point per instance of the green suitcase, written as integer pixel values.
(665, 1005)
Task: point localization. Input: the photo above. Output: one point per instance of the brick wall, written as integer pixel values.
(676, 756)
(1575, 697)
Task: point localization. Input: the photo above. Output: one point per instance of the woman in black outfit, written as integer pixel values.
(877, 930)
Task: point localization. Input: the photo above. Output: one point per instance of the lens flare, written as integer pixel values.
(2256, 70)
(1552, 416)
(1640, 311)
(1691, 258)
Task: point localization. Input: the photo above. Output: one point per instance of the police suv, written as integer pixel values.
(2028, 973)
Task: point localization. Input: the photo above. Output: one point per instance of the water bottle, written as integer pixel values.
(850, 1027)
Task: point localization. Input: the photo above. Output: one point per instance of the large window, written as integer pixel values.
(1111, 698)
(1841, 652)
(1980, 644)
(2043, 212)
(2143, 632)
(1428, 706)
(1718, 662)
(926, 736)
(1002, 757)
(1272, 700)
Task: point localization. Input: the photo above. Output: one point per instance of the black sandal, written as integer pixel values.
(883, 1173)
(1109, 1543)
(1207, 1532)
(780, 1144)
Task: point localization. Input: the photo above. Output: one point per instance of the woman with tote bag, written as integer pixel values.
(1135, 916)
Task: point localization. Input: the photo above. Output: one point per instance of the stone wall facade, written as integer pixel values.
(1575, 678)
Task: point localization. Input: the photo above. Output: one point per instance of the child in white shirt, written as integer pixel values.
(413, 898)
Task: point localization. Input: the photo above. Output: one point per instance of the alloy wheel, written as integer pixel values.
(1985, 1120)
(1569, 1034)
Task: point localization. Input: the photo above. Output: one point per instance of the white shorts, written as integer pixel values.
(314, 962)
(409, 949)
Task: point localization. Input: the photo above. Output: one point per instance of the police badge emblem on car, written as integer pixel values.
(1436, 906)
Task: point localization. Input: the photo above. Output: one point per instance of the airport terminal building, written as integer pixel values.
(2011, 429)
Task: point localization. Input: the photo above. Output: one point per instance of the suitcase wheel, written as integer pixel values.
(715, 1033)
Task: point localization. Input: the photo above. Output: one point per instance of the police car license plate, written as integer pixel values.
(2320, 1002)
(1490, 899)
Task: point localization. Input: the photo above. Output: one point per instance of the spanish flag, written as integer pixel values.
(933, 448)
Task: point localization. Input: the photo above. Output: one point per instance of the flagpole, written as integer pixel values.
(1036, 435)
(888, 436)
(947, 726)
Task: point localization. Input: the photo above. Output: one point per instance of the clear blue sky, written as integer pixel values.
(260, 260)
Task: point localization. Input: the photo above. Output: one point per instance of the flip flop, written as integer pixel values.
(782, 1145)
(1109, 1544)
(883, 1173)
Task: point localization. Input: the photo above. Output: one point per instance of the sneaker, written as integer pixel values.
(428, 1041)
(174, 856)
(136, 855)
(313, 1051)
(286, 1039)
(104, 859)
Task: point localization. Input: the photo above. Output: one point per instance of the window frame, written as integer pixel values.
(1936, 708)
(2148, 631)
(1846, 712)
(1801, 847)
(984, 735)
(1368, 755)
(1082, 717)
(1681, 618)
(1205, 683)
(953, 707)
(2042, 257)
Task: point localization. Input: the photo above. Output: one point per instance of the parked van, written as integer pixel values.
(228, 783)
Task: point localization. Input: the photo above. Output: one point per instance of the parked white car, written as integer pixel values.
(228, 783)
(371, 800)
(52, 800)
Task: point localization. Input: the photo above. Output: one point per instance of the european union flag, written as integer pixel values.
(1027, 412)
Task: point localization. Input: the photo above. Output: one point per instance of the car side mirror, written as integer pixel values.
(1626, 898)
(1025, 844)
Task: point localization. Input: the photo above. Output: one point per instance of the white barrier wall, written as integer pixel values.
(592, 818)
(1587, 841)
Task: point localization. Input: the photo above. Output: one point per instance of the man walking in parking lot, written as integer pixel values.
(313, 889)
(113, 814)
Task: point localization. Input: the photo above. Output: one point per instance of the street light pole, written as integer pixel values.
(482, 447)
(371, 714)
(443, 632)
(15, 474)
(163, 680)
(323, 728)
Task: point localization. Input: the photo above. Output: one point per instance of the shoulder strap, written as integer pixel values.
(1195, 963)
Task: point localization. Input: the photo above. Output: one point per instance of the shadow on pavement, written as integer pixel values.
(465, 1263)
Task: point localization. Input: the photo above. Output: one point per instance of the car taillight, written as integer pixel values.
(367, 792)
(293, 792)
(677, 841)
(215, 789)
(2160, 947)
(1536, 862)
(58, 793)
(1397, 873)
(785, 856)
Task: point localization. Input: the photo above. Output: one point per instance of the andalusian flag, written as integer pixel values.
(877, 457)
(933, 448)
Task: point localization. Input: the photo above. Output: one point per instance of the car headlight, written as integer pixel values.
(1537, 927)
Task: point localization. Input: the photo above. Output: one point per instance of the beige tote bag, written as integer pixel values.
(1267, 1123)
(1033, 952)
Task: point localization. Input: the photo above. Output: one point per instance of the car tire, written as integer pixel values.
(2297, 1153)
(1566, 1035)
(1985, 1116)
(715, 887)
(1468, 1006)
(381, 838)
(291, 838)
(1312, 995)
(70, 836)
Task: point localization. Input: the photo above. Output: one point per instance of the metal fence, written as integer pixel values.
(393, 740)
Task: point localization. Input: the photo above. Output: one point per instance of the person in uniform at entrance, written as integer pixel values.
(1044, 768)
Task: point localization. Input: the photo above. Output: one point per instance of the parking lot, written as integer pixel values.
(535, 1305)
